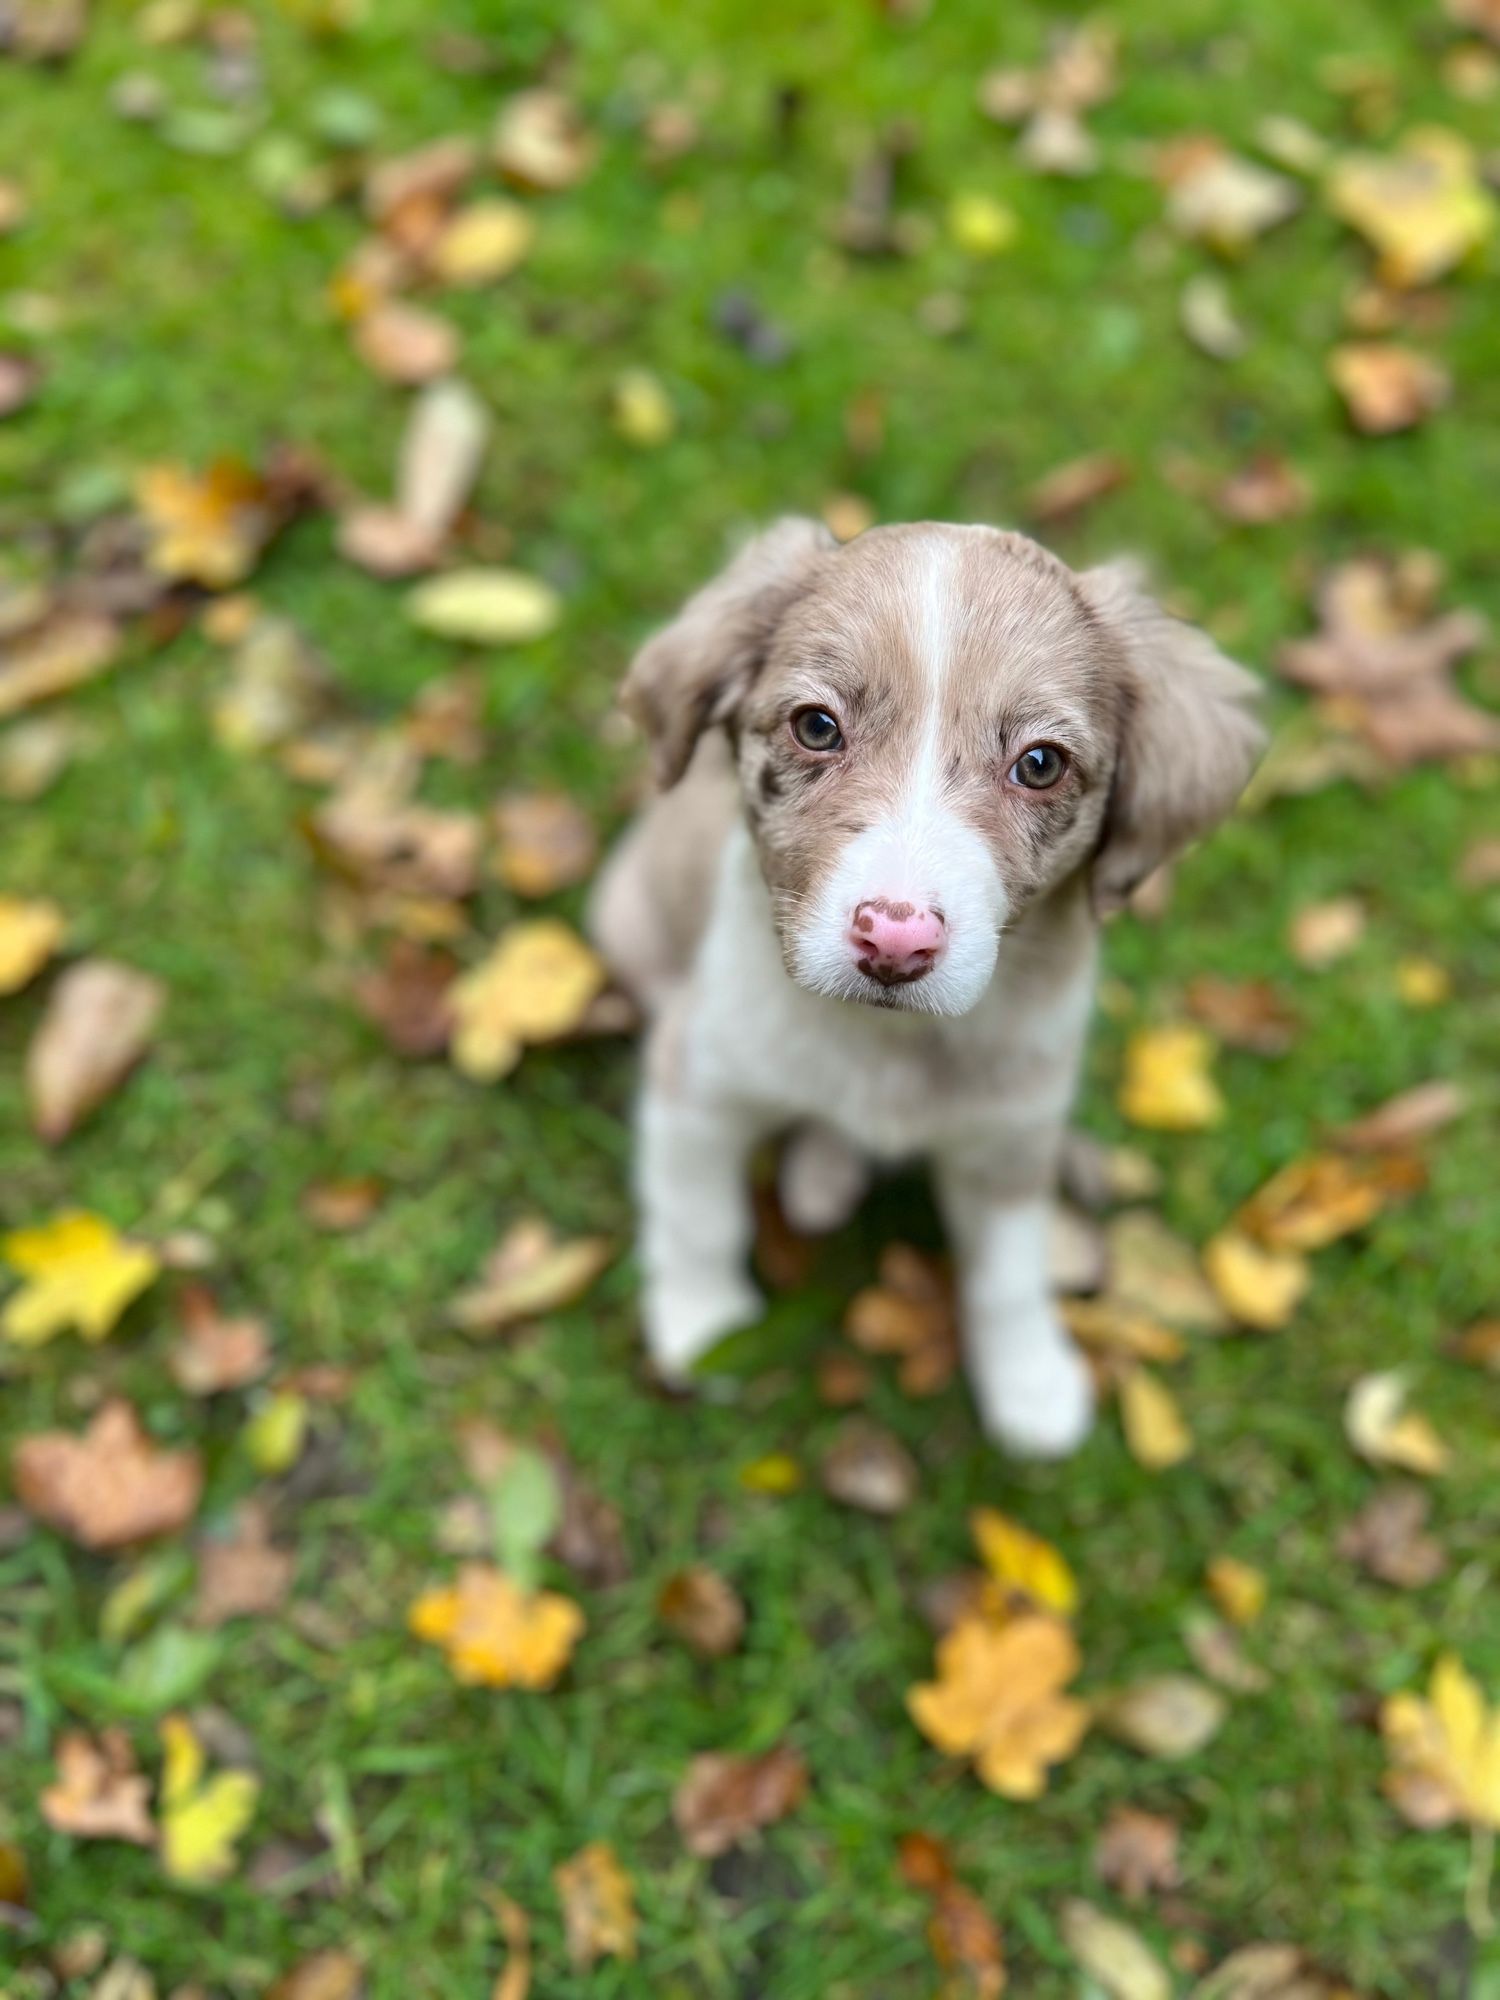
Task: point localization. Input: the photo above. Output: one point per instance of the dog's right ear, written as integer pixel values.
(695, 672)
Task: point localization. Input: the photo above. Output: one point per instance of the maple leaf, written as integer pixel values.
(1022, 1563)
(1423, 207)
(997, 1698)
(82, 1274)
(496, 1634)
(206, 527)
(1444, 1751)
(99, 1793)
(109, 1487)
(1166, 1085)
(598, 1906)
(201, 1818)
(1136, 1852)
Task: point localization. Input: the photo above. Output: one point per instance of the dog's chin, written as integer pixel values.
(945, 994)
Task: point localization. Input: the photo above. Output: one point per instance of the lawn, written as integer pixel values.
(181, 314)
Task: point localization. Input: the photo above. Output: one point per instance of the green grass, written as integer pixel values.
(192, 319)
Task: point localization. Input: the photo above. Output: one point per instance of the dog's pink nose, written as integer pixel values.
(896, 942)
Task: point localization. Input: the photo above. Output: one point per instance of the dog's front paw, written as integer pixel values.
(1033, 1389)
(687, 1315)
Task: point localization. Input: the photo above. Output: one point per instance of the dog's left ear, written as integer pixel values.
(695, 672)
(1189, 737)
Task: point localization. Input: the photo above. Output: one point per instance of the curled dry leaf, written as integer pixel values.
(598, 1906)
(703, 1609)
(869, 1468)
(1136, 1853)
(998, 1699)
(405, 344)
(1166, 1085)
(1313, 1202)
(201, 1817)
(1219, 198)
(1153, 1271)
(216, 1352)
(723, 1797)
(909, 1313)
(242, 1575)
(384, 843)
(80, 1273)
(1261, 1288)
(964, 1937)
(541, 141)
(1106, 1327)
(546, 842)
(1155, 1431)
(535, 985)
(99, 1792)
(1269, 488)
(1114, 1956)
(278, 686)
(1206, 315)
(1406, 1118)
(496, 1634)
(1022, 1564)
(1479, 1345)
(30, 932)
(1387, 387)
(1381, 1428)
(485, 607)
(531, 1273)
(1444, 1751)
(1423, 207)
(1166, 1715)
(100, 1020)
(110, 1487)
(1389, 1538)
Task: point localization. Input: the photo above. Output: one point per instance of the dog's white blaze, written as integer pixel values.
(921, 852)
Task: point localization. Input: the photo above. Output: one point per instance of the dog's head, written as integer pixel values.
(935, 726)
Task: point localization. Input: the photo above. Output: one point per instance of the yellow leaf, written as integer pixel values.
(1313, 1202)
(274, 1436)
(496, 1634)
(535, 985)
(83, 1274)
(1422, 982)
(531, 1273)
(1022, 1562)
(1238, 1589)
(997, 1698)
(1167, 1085)
(778, 1472)
(642, 410)
(1381, 1428)
(598, 1905)
(30, 933)
(485, 607)
(200, 1818)
(1423, 207)
(483, 242)
(205, 527)
(1262, 1288)
(1154, 1427)
(980, 225)
(1444, 1752)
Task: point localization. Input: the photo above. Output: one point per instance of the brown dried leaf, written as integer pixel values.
(109, 1487)
(541, 141)
(215, 1352)
(1215, 1650)
(964, 1937)
(405, 344)
(1479, 1345)
(338, 1206)
(61, 653)
(1069, 488)
(407, 997)
(909, 1313)
(869, 1468)
(1114, 1957)
(1313, 1202)
(546, 842)
(530, 1274)
(20, 378)
(1267, 488)
(100, 1794)
(1155, 1273)
(99, 1023)
(1246, 1014)
(384, 542)
(1387, 387)
(1323, 933)
(1136, 1853)
(723, 1797)
(243, 1576)
(1404, 1119)
(704, 1610)
(1164, 1715)
(386, 844)
(1388, 1537)
(326, 1975)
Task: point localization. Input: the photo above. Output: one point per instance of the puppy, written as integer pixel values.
(903, 779)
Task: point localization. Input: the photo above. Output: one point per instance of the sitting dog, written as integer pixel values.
(902, 780)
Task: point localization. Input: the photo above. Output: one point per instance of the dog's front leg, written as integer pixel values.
(696, 1224)
(1034, 1393)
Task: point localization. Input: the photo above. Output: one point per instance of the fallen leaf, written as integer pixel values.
(1323, 933)
(384, 542)
(382, 843)
(1221, 199)
(777, 1473)
(216, 1352)
(514, 1982)
(496, 1634)
(99, 1792)
(1381, 1428)
(723, 1797)
(1108, 1327)
(1246, 1014)
(82, 1273)
(530, 1274)
(1112, 1954)
(110, 1487)
(535, 985)
(20, 378)
(243, 1575)
(275, 1434)
(998, 1698)
(706, 1612)
(1022, 1564)
(1479, 1344)
(1206, 315)
(980, 225)
(35, 754)
(1077, 1252)
(641, 410)
(482, 243)
(1238, 1589)
(1480, 867)
(1268, 488)
(1387, 387)
(846, 515)
(1155, 1431)
(1406, 1118)
(278, 686)
(1215, 1650)
(201, 1817)
(485, 607)
(964, 1937)
(1423, 208)
(30, 933)
(546, 842)
(598, 1902)
(1136, 1853)
(1068, 489)
(1314, 1201)
(1422, 982)
(99, 1022)
(1058, 142)
(1269, 1972)
(344, 1205)
(1261, 1288)
(404, 344)
(207, 528)
(431, 173)
(1166, 1715)
(1166, 1085)
(1154, 1272)
(1388, 1537)
(54, 657)
(910, 1314)
(1444, 1751)
(325, 1975)
(868, 1468)
(406, 997)
(541, 142)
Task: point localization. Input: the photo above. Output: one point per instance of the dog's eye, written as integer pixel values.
(1038, 768)
(816, 729)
